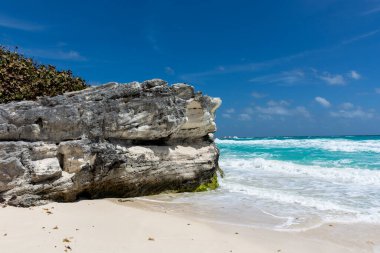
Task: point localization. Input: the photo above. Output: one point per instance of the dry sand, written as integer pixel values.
(92, 226)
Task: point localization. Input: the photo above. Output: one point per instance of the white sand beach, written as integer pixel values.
(109, 226)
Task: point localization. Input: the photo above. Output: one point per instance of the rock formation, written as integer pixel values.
(115, 140)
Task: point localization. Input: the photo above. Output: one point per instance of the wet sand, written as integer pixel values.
(111, 226)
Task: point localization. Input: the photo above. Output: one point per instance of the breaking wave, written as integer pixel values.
(343, 145)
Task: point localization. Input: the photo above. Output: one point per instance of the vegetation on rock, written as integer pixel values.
(212, 185)
(21, 78)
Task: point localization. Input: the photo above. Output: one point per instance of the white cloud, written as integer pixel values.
(258, 94)
(355, 75)
(280, 108)
(169, 71)
(347, 106)
(62, 44)
(12, 23)
(54, 54)
(372, 11)
(287, 77)
(332, 79)
(322, 101)
(307, 76)
(152, 35)
(228, 113)
(273, 110)
(279, 102)
(247, 67)
(249, 110)
(360, 37)
(245, 116)
(301, 110)
(349, 111)
(357, 113)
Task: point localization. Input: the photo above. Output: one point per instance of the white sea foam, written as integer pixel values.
(332, 174)
(289, 198)
(328, 210)
(335, 194)
(343, 145)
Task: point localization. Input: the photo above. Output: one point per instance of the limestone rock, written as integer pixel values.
(115, 140)
(45, 169)
(10, 171)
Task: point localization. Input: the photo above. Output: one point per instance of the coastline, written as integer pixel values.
(107, 225)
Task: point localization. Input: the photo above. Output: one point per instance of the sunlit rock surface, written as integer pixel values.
(115, 140)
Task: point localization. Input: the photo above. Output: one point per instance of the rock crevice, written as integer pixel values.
(115, 140)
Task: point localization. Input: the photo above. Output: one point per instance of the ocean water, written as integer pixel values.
(292, 182)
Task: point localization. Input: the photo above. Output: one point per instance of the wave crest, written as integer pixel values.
(332, 174)
(343, 145)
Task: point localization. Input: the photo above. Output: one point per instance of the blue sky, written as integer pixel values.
(297, 67)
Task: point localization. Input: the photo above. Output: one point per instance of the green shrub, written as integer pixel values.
(22, 78)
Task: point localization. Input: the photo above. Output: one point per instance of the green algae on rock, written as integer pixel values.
(211, 185)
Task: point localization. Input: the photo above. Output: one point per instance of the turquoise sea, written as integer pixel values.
(293, 182)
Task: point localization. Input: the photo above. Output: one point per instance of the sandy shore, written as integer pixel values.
(108, 226)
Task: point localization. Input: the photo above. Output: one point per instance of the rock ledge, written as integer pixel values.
(115, 140)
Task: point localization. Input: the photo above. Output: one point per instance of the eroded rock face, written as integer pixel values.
(115, 140)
